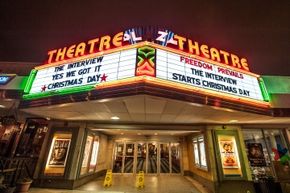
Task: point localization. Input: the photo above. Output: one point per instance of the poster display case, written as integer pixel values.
(58, 154)
(229, 155)
(90, 154)
(86, 155)
(94, 156)
(228, 152)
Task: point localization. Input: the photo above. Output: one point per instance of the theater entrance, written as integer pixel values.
(150, 157)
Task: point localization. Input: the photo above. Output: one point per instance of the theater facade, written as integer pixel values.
(147, 99)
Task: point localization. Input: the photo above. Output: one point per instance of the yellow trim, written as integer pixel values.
(140, 44)
(160, 82)
(91, 55)
(200, 58)
(8, 74)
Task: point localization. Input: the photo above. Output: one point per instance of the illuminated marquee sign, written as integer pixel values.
(169, 59)
(185, 70)
(89, 71)
(159, 36)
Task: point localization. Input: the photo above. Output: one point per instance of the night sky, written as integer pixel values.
(257, 30)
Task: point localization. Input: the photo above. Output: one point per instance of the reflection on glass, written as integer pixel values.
(274, 141)
(175, 158)
(87, 153)
(118, 158)
(164, 158)
(129, 150)
(258, 156)
(152, 158)
(129, 158)
(196, 154)
(128, 167)
(94, 156)
(202, 152)
(199, 152)
(141, 157)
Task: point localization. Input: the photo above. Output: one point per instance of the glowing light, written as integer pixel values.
(183, 87)
(30, 81)
(115, 118)
(265, 94)
(145, 63)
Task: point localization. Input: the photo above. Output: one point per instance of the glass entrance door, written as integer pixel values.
(129, 158)
(164, 158)
(175, 158)
(118, 158)
(141, 157)
(150, 157)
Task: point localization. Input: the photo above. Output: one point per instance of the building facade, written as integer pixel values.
(148, 100)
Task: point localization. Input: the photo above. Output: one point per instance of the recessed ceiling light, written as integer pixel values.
(233, 121)
(115, 118)
(196, 104)
(2, 106)
(155, 133)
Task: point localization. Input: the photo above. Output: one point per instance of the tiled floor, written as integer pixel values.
(126, 184)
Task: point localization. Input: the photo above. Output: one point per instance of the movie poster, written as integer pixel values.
(228, 154)
(59, 152)
(255, 154)
(87, 151)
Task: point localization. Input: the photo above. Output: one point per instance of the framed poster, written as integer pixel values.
(94, 156)
(87, 151)
(228, 154)
(255, 154)
(196, 154)
(59, 152)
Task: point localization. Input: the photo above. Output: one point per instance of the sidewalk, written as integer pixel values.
(126, 184)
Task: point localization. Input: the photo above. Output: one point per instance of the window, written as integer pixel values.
(199, 152)
(262, 145)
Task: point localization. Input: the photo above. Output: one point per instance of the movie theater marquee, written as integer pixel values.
(127, 54)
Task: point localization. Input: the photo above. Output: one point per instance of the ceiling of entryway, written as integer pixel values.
(149, 109)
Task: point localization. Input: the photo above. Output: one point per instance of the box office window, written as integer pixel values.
(90, 154)
(58, 154)
(199, 152)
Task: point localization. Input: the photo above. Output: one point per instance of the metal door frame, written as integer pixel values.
(135, 156)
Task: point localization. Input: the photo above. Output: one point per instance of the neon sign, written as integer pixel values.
(135, 35)
(4, 79)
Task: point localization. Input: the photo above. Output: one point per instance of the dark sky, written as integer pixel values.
(257, 30)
